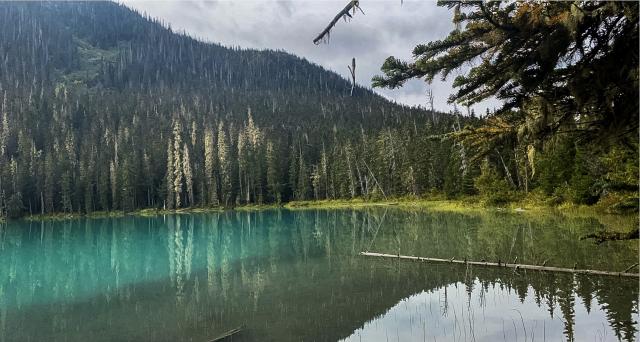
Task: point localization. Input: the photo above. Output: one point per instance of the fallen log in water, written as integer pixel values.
(500, 264)
(604, 236)
(228, 334)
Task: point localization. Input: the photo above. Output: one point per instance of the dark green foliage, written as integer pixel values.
(552, 164)
(14, 205)
(583, 182)
(493, 188)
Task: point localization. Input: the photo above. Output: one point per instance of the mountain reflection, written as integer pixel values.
(295, 275)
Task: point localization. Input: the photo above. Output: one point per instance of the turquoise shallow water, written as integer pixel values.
(296, 276)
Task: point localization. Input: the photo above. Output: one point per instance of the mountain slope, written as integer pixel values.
(107, 47)
(107, 110)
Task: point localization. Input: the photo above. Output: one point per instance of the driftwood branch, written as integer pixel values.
(352, 5)
(500, 264)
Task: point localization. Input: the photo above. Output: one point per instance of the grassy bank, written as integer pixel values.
(614, 221)
(532, 204)
(150, 212)
(431, 204)
(147, 212)
(470, 203)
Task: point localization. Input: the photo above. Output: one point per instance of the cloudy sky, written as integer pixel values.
(387, 28)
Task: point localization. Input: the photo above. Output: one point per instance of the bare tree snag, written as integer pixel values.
(352, 70)
(374, 178)
(506, 169)
(344, 13)
(430, 103)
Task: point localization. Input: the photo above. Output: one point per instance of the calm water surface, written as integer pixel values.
(296, 276)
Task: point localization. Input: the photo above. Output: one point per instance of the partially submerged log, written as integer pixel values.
(603, 236)
(500, 264)
(224, 336)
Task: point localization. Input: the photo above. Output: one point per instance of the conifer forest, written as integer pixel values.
(108, 110)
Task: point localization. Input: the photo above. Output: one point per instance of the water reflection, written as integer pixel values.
(296, 276)
(453, 312)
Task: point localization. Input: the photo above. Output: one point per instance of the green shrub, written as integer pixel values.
(494, 189)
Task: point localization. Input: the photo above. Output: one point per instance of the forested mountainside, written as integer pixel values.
(104, 109)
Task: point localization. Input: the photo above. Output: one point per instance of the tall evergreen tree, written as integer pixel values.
(225, 166)
(177, 163)
(170, 194)
(209, 165)
(188, 174)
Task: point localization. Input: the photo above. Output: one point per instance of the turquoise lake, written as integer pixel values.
(286, 275)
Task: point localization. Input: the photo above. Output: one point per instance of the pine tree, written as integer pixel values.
(113, 176)
(209, 165)
(188, 174)
(316, 179)
(349, 159)
(170, 196)
(4, 130)
(324, 173)
(65, 191)
(177, 163)
(242, 154)
(194, 134)
(254, 155)
(87, 182)
(103, 187)
(148, 177)
(302, 183)
(225, 166)
(127, 183)
(273, 176)
(49, 183)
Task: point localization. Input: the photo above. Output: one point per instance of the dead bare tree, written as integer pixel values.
(430, 103)
(463, 153)
(352, 70)
(352, 6)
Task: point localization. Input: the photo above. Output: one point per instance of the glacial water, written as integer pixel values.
(286, 275)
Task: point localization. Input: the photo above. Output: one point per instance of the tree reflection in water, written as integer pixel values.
(295, 275)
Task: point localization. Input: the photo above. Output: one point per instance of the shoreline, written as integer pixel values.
(461, 205)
